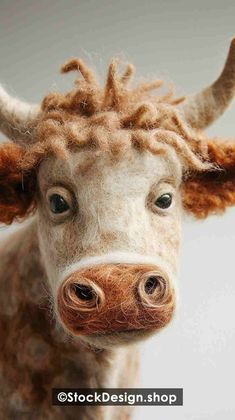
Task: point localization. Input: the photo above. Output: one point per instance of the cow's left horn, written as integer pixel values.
(202, 109)
(17, 118)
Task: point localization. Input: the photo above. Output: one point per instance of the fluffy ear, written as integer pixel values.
(17, 188)
(211, 192)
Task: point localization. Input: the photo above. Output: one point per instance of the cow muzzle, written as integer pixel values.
(115, 298)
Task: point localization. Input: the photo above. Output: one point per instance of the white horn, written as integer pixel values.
(17, 118)
(203, 108)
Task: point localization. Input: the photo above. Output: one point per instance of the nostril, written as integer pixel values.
(154, 289)
(84, 292)
(151, 284)
(80, 295)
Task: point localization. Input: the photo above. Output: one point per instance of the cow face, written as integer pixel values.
(109, 233)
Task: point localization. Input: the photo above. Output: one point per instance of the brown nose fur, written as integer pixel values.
(116, 297)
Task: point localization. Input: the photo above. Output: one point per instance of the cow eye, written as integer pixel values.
(58, 204)
(164, 201)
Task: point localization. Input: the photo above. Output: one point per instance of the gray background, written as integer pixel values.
(186, 42)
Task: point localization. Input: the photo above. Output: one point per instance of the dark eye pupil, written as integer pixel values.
(164, 201)
(58, 204)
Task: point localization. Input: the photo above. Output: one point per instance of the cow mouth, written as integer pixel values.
(112, 339)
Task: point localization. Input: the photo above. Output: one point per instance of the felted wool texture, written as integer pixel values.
(110, 151)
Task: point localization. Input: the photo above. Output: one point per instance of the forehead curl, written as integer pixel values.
(114, 117)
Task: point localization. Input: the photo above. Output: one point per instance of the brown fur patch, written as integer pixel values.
(211, 192)
(17, 188)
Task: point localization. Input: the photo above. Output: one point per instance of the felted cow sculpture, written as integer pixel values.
(103, 176)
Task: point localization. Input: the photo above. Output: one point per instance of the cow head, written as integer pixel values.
(109, 172)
